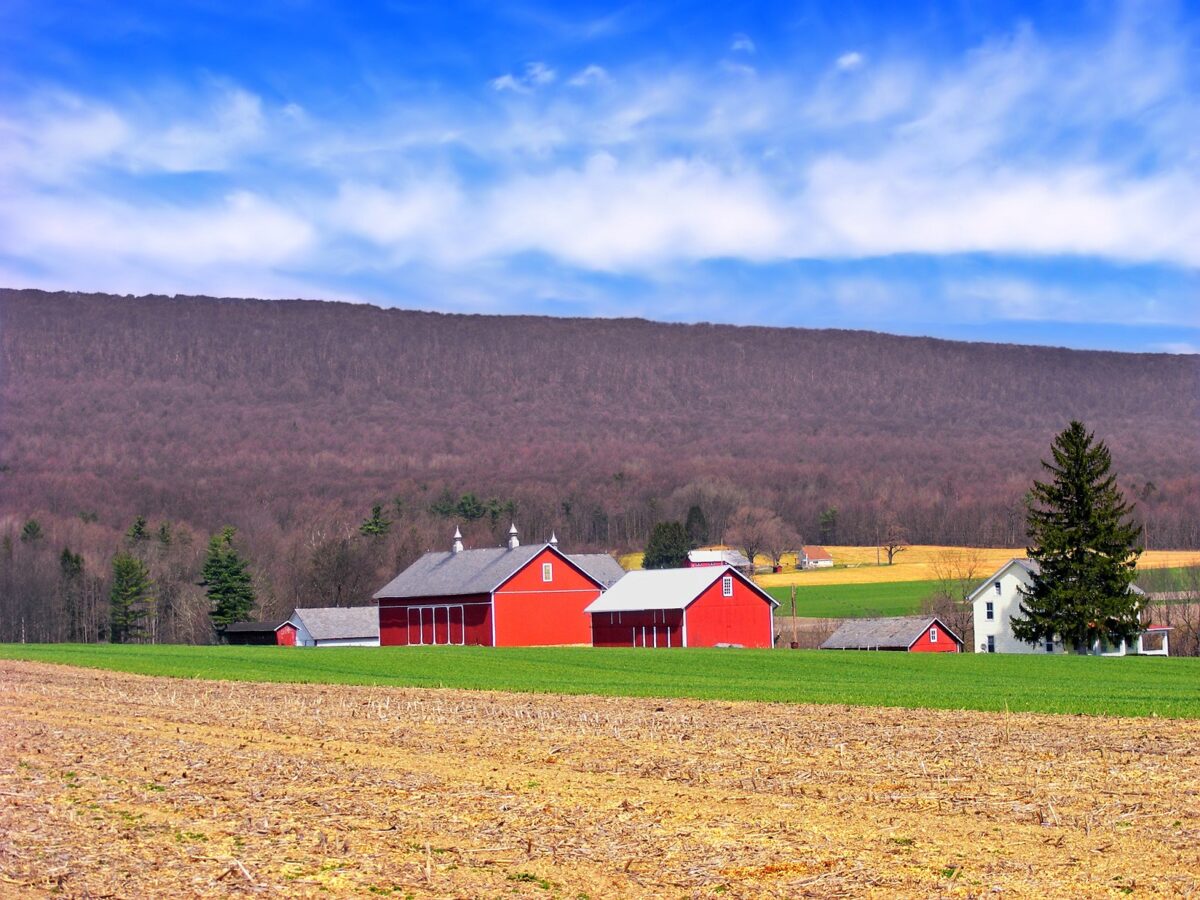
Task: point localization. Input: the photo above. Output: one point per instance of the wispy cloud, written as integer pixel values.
(1019, 148)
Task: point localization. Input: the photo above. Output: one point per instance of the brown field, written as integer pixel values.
(126, 786)
(920, 562)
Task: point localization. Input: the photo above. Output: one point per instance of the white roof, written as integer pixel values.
(730, 557)
(662, 589)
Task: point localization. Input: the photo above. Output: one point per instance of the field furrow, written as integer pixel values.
(130, 786)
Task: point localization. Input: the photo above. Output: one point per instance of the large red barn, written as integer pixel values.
(515, 596)
(696, 607)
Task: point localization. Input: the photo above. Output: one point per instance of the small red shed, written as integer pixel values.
(511, 596)
(695, 607)
(914, 634)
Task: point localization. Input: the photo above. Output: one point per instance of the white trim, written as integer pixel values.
(685, 643)
(493, 617)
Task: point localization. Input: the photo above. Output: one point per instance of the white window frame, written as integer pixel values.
(990, 611)
(727, 586)
(933, 635)
(991, 643)
(547, 571)
(996, 585)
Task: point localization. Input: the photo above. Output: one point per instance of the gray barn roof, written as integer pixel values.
(333, 623)
(251, 627)
(881, 634)
(447, 574)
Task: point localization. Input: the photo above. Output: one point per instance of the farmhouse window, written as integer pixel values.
(991, 643)
(991, 610)
(996, 585)
(933, 635)
(1049, 646)
(547, 572)
(727, 586)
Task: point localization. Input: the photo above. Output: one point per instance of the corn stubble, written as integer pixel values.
(130, 786)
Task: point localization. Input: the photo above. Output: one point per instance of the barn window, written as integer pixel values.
(727, 586)
(991, 643)
(996, 585)
(933, 635)
(991, 610)
(547, 572)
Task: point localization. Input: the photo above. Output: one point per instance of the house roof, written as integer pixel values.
(1032, 567)
(664, 589)
(733, 558)
(339, 623)
(897, 633)
(448, 574)
(251, 627)
(813, 551)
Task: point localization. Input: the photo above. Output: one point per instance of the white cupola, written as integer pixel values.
(457, 546)
(513, 541)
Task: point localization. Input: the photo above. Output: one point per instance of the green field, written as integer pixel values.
(1052, 684)
(853, 601)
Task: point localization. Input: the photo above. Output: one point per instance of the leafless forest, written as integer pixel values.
(290, 420)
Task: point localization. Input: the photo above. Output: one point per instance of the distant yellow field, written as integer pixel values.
(857, 565)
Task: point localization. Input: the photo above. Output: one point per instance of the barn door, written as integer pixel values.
(458, 634)
(441, 624)
(414, 625)
(427, 634)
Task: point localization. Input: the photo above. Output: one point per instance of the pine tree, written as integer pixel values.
(1085, 548)
(667, 548)
(31, 532)
(696, 527)
(129, 600)
(137, 533)
(70, 567)
(226, 580)
(377, 525)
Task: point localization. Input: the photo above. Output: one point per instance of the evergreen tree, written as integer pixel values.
(70, 566)
(470, 508)
(165, 536)
(129, 600)
(1085, 549)
(377, 525)
(828, 522)
(31, 532)
(696, 527)
(137, 533)
(668, 547)
(226, 580)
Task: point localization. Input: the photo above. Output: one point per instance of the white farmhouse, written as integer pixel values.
(998, 600)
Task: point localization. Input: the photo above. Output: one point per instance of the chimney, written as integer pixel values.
(456, 547)
(553, 540)
(513, 541)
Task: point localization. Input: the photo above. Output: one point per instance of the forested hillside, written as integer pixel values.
(290, 420)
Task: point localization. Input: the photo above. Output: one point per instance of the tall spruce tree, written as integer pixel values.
(128, 600)
(226, 580)
(668, 547)
(378, 525)
(1085, 549)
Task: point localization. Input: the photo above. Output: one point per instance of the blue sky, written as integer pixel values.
(1012, 171)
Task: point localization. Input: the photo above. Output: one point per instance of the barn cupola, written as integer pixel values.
(553, 540)
(457, 546)
(513, 541)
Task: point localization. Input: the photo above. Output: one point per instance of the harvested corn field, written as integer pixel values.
(129, 786)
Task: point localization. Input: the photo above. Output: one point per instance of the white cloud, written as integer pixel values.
(590, 75)
(742, 44)
(535, 75)
(848, 62)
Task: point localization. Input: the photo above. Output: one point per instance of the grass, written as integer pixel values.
(1050, 684)
(844, 601)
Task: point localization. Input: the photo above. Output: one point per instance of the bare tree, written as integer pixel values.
(755, 530)
(893, 539)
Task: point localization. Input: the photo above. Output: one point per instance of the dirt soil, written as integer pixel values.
(127, 786)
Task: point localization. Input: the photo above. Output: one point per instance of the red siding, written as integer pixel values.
(436, 620)
(745, 618)
(531, 612)
(944, 643)
(653, 628)
(285, 636)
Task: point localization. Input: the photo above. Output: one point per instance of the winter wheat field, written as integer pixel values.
(124, 785)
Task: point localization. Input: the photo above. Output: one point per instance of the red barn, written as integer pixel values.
(511, 596)
(914, 634)
(696, 607)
